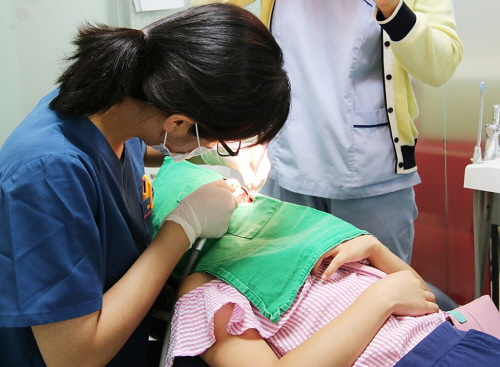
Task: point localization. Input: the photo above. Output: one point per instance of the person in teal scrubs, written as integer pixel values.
(79, 271)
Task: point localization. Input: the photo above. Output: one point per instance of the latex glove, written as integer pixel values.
(206, 212)
(252, 163)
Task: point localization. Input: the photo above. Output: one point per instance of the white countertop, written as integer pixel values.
(483, 176)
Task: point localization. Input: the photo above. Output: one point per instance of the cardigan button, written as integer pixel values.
(389, 77)
(390, 110)
(387, 43)
(400, 164)
(396, 140)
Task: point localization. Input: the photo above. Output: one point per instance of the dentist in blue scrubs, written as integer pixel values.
(79, 271)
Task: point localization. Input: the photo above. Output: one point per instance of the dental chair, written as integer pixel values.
(444, 301)
(163, 310)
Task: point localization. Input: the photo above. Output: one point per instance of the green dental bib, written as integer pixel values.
(270, 247)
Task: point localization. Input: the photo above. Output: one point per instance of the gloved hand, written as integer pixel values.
(252, 163)
(205, 212)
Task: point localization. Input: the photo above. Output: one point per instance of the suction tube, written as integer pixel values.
(477, 157)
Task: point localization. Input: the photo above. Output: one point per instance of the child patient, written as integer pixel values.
(290, 286)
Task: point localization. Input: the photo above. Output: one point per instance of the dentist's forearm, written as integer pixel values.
(94, 339)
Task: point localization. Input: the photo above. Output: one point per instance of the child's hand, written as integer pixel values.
(405, 294)
(356, 249)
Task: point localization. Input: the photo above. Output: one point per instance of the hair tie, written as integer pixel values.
(144, 34)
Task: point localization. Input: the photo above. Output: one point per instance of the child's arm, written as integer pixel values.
(339, 343)
(365, 247)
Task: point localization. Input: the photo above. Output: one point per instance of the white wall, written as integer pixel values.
(36, 37)
(452, 111)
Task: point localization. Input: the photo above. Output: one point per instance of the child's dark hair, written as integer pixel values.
(217, 64)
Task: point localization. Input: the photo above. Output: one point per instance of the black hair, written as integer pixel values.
(217, 64)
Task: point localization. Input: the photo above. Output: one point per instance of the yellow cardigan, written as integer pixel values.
(430, 53)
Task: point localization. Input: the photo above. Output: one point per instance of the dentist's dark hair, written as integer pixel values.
(217, 64)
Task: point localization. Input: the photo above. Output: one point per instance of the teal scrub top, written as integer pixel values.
(71, 224)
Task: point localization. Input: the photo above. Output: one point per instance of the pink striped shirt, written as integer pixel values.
(317, 303)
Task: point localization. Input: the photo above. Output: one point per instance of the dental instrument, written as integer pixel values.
(492, 133)
(477, 157)
(255, 172)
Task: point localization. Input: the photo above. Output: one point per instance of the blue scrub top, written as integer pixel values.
(71, 224)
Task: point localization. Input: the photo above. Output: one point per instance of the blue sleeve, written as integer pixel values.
(50, 252)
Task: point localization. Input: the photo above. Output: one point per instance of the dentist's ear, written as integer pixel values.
(177, 122)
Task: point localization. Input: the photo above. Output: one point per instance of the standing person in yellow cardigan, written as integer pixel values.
(348, 147)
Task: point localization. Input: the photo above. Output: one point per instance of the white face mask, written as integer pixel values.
(162, 148)
(178, 157)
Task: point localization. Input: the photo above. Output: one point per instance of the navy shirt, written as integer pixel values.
(71, 224)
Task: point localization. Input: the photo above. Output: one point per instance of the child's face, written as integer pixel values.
(241, 193)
